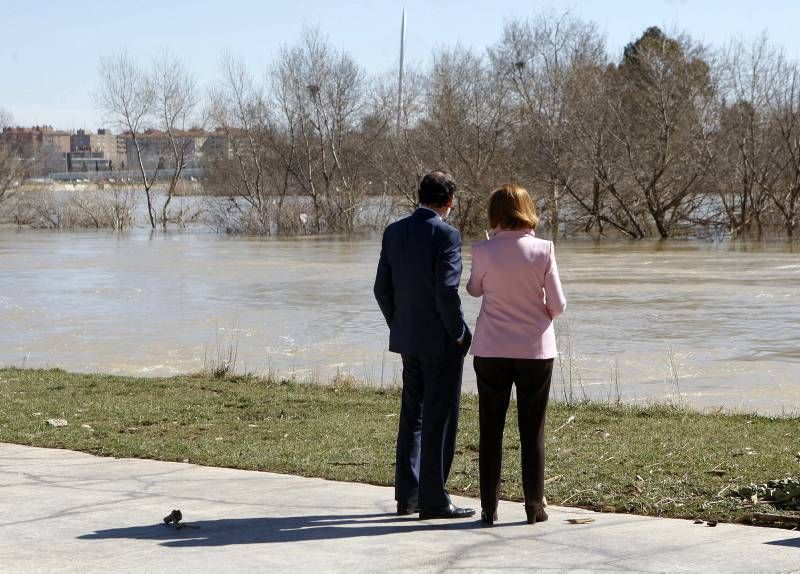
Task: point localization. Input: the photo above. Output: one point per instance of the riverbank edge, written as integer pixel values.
(656, 460)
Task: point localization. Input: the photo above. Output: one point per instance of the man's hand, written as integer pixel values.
(465, 341)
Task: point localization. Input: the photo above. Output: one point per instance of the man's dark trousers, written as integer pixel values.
(416, 287)
(426, 445)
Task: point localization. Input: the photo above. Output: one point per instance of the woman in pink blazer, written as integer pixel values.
(514, 342)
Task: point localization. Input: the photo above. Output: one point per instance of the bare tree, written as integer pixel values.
(596, 185)
(240, 167)
(175, 106)
(466, 130)
(46, 209)
(537, 58)
(12, 165)
(661, 120)
(670, 138)
(395, 159)
(127, 95)
(320, 95)
(782, 181)
(739, 148)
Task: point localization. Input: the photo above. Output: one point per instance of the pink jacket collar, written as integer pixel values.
(499, 232)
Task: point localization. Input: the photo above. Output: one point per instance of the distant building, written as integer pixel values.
(86, 161)
(30, 139)
(157, 152)
(56, 153)
(59, 140)
(88, 151)
(45, 146)
(218, 144)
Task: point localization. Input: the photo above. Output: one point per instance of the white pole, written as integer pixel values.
(400, 78)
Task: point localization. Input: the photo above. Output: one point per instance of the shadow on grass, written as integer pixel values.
(229, 531)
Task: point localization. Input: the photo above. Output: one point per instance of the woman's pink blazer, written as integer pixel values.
(516, 274)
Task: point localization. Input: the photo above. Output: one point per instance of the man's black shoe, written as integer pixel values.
(404, 509)
(449, 511)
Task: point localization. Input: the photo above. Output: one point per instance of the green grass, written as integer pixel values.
(652, 460)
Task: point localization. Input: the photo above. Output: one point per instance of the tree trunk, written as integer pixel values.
(150, 209)
(165, 209)
(663, 230)
(554, 219)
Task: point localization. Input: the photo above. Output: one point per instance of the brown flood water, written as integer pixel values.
(155, 305)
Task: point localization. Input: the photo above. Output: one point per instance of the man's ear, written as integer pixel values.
(449, 203)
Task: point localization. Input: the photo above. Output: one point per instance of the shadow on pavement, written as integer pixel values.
(795, 542)
(228, 531)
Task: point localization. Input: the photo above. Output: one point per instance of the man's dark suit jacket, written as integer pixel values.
(417, 286)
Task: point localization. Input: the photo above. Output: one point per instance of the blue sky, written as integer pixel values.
(50, 48)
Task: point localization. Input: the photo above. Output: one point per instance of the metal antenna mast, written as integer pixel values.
(400, 78)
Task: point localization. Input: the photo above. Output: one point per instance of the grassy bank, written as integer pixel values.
(656, 460)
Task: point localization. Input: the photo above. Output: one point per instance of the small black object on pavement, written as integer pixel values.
(174, 518)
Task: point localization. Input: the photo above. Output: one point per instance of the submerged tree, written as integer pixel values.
(537, 60)
(319, 96)
(782, 184)
(597, 187)
(12, 163)
(661, 120)
(175, 109)
(465, 130)
(670, 139)
(127, 96)
(152, 106)
(395, 158)
(739, 148)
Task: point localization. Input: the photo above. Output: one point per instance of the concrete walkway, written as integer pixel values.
(68, 511)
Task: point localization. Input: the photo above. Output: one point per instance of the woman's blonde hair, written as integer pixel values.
(511, 207)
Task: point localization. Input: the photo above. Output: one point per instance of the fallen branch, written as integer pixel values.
(781, 520)
(569, 420)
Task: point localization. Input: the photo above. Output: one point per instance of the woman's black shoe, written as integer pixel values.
(406, 508)
(535, 513)
(487, 518)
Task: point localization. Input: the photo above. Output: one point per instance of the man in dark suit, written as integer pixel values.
(417, 290)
